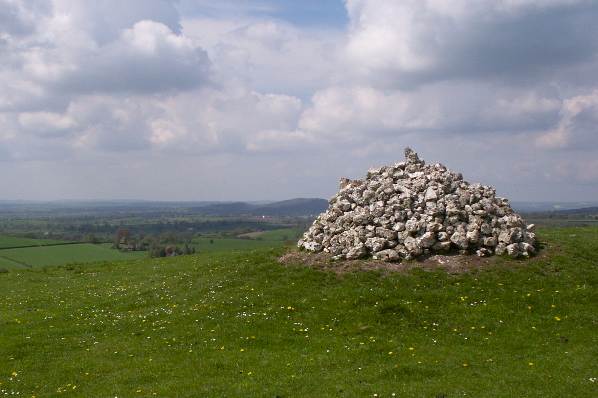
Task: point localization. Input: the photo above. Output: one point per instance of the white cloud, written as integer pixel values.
(578, 125)
(408, 43)
(108, 46)
(19, 18)
(221, 121)
(463, 108)
(103, 21)
(270, 56)
(503, 89)
(279, 141)
(148, 57)
(191, 122)
(46, 123)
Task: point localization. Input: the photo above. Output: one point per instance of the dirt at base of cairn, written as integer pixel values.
(452, 263)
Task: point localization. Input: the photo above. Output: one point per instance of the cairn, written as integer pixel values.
(413, 209)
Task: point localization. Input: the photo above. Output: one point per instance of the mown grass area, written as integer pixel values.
(65, 254)
(219, 245)
(242, 325)
(13, 241)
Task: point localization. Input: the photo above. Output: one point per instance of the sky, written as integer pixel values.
(266, 100)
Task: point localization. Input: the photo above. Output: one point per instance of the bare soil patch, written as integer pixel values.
(451, 263)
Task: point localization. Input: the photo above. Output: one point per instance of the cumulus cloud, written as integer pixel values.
(281, 141)
(18, 18)
(108, 46)
(46, 123)
(269, 55)
(463, 108)
(220, 121)
(148, 57)
(578, 125)
(411, 42)
(154, 84)
(104, 20)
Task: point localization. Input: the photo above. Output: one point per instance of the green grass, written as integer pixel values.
(241, 325)
(7, 264)
(219, 245)
(13, 241)
(282, 234)
(61, 255)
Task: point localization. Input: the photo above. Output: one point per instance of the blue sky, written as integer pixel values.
(259, 100)
(331, 13)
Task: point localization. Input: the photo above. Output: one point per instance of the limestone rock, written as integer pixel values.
(413, 208)
(356, 252)
(427, 240)
(459, 238)
(389, 255)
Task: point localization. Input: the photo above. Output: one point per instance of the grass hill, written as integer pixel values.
(242, 325)
(65, 254)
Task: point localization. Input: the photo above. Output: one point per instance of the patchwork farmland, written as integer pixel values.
(16, 252)
(56, 253)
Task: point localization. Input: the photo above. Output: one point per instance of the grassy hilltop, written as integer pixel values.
(239, 324)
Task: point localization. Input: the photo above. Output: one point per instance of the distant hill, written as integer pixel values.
(583, 216)
(224, 209)
(299, 207)
(583, 210)
(536, 207)
(292, 208)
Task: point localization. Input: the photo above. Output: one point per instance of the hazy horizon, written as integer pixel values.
(193, 100)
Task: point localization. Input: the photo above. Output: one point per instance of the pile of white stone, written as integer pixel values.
(413, 209)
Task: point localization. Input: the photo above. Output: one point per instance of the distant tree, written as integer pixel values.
(188, 249)
(122, 237)
(155, 250)
(91, 238)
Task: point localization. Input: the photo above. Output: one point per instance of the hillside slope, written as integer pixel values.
(244, 325)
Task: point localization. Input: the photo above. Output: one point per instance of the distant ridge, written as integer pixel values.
(535, 207)
(583, 210)
(298, 207)
(292, 207)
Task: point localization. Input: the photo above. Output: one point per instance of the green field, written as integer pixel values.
(242, 325)
(281, 234)
(64, 254)
(214, 245)
(12, 241)
(7, 264)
